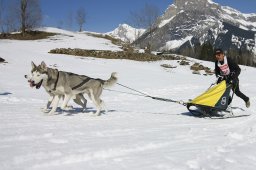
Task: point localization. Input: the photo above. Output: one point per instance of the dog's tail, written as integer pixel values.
(111, 81)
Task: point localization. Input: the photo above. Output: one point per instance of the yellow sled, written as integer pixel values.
(213, 100)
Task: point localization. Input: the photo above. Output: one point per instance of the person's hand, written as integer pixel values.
(220, 79)
(229, 79)
(233, 75)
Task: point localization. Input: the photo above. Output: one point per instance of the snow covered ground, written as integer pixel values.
(137, 133)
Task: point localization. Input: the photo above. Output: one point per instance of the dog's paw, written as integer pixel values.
(94, 114)
(67, 108)
(45, 110)
(51, 113)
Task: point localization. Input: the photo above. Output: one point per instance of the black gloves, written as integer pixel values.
(220, 79)
(233, 75)
(231, 78)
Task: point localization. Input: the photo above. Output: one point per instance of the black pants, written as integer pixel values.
(236, 90)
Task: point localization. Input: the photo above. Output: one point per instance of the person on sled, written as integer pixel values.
(227, 69)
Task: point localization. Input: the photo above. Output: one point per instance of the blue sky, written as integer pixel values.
(106, 15)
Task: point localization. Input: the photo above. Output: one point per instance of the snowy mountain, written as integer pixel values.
(126, 33)
(137, 132)
(187, 25)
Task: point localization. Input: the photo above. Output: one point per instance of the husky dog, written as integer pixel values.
(60, 83)
(78, 99)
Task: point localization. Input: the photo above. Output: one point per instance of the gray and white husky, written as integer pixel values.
(78, 99)
(59, 83)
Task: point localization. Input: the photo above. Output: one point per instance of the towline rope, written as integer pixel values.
(146, 95)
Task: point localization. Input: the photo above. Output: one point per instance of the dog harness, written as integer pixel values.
(56, 82)
(82, 83)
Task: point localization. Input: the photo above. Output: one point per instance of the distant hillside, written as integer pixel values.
(195, 27)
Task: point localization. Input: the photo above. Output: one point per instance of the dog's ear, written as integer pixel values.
(33, 65)
(43, 65)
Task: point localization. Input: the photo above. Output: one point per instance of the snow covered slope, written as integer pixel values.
(136, 133)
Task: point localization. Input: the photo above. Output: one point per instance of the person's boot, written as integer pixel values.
(247, 103)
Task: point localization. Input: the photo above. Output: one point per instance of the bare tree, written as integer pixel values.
(31, 16)
(80, 18)
(23, 9)
(145, 17)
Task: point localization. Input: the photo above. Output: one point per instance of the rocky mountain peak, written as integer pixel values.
(185, 3)
(201, 6)
(191, 27)
(126, 33)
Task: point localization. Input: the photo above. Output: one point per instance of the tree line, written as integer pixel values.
(205, 52)
(24, 15)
